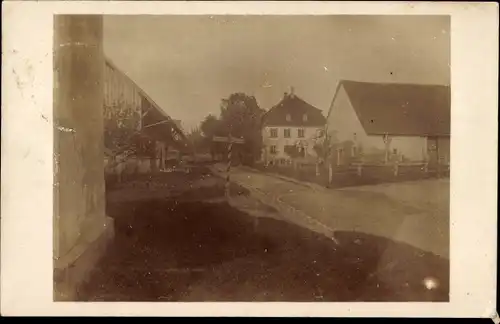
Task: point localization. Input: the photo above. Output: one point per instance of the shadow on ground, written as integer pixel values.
(198, 184)
(168, 250)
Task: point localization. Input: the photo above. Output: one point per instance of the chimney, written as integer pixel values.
(292, 92)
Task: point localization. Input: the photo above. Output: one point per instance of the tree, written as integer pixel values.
(324, 147)
(241, 117)
(294, 152)
(210, 126)
(195, 140)
(120, 130)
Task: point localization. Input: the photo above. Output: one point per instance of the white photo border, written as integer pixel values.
(27, 151)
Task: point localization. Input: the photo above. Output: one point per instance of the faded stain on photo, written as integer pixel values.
(252, 158)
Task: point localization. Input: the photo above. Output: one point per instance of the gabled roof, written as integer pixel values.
(154, 114)
(296, 108)
(178, 122)
(400, 109)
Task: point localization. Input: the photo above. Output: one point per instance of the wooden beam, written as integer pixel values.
(234, 140)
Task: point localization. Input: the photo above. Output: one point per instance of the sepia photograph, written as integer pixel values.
(314, 159)
(252, 158)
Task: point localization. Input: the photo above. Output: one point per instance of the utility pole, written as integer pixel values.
(230, 140)
(229, 159)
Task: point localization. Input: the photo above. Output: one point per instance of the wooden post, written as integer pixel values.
(230, 140)
(387, 142)
(426, 162)
(229, 159)
(330, 172)
(359, 170)
(396, 168)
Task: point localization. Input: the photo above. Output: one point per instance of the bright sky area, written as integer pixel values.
(187, 64)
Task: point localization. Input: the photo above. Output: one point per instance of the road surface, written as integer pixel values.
(415, 213)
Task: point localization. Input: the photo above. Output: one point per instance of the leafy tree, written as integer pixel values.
(197, 142)
(120, 129)
(210, 126)
(241, 117)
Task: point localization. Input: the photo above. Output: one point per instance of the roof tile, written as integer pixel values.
(296, 108)
(401, 109)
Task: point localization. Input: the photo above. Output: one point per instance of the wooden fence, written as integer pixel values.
(360, 173)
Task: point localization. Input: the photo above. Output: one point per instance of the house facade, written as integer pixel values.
(385, 122)
(292, 124)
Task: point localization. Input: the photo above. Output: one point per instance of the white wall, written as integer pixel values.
(413, 148)
(344, 125)
(310, 134)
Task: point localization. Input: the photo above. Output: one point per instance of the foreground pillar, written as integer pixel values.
(81, 228)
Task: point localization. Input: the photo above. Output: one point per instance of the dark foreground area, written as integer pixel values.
(186, 250)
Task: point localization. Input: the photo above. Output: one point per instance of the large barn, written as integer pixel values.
(383, 121)
(133, 119)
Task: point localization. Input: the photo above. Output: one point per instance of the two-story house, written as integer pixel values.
(291, 124)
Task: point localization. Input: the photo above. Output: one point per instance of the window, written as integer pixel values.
(288, 117)
(395, 151)
(286, 132)
(274, 132)
(273, 149)
(304, 117)
(301, 132)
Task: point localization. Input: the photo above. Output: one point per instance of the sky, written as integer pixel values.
(188, 64)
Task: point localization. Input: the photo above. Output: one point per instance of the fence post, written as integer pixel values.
(396, 168)
(359, 169)
(330, 172)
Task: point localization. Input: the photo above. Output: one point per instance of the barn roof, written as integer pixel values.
(296, 107)
(400, 109)
(153, 117)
